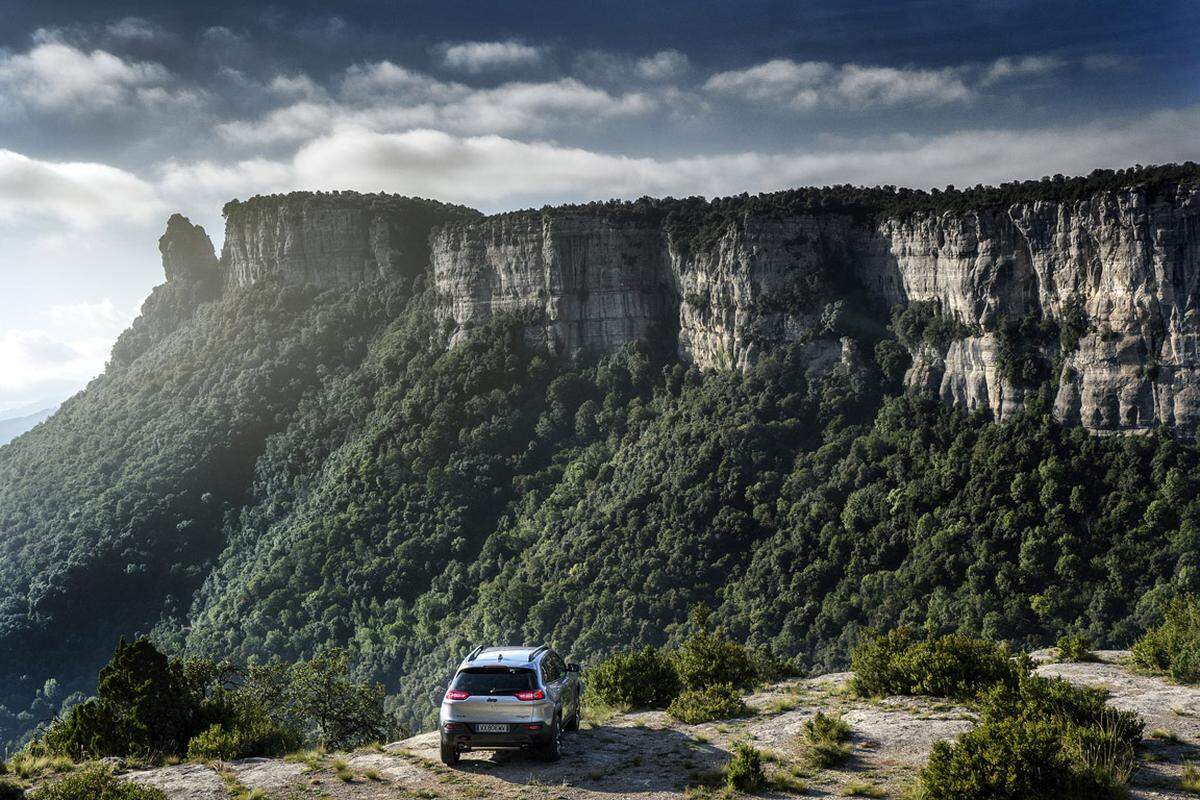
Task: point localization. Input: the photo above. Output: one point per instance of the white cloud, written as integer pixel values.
(517, 107)
(807, 84)
(56, 76)
(78, 193)
(501, 172)
(136, 29)
(1024, 67)
(383, 80)
(477, 57)
(663, 65)
(193, 184)
(385, 97)
(299, 85)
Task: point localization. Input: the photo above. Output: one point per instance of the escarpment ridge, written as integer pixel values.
(1091, 283)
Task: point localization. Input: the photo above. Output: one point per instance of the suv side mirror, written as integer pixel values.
(572, 668)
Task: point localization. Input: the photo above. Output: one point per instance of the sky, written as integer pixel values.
(115, 114)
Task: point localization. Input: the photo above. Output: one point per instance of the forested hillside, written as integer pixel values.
(292, 468)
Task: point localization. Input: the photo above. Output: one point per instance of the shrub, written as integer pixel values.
(769, 668)
(1074, 648)
(95, 783)
(708, 658)
(1034, 697)
(745, 772)
(143, 707)
(215, 744)
(1190, 780)
(1173, 646)
(344, 713)
(643, 678)
(1039, 739)
(952, 666)
(1013, 759)
(694, 706)
(149, 706)
(825, 740)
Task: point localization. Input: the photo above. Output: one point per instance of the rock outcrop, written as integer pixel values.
(193, 277)
(1105, 282)
(330, 239)
(187, 252)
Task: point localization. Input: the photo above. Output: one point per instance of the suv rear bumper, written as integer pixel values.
(521, 735)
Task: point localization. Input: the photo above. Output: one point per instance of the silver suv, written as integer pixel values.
(510, 698)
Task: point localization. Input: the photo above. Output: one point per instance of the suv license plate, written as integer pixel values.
(491, 727)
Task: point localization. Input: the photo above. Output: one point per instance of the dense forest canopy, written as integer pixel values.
(290, 470)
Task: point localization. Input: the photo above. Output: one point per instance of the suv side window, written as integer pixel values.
(550, 671)
(559, 666)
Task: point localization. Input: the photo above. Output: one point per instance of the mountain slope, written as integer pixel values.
(13, 427)
(414, 464)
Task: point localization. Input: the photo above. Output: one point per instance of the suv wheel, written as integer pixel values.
(573, 723)
(552, 749)
(450, 754)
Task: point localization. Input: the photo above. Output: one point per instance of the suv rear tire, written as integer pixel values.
(552, 749)
(450, 755)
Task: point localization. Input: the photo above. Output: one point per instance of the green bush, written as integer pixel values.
(1032, 697)
(258, 736)
(1038, 739)
(215, 744)
(1075, 649)
(694, 706)
(95, 783)
(342, 712)
(1173, 646)
(708, 658)
(149, 706)
(825, 740)
(143, 707)
(769, 668)
(643, 678)
(1005, 760)
(744, 772)
(952, 666)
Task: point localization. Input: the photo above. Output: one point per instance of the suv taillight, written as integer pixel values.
(457, 694)
(536, 694)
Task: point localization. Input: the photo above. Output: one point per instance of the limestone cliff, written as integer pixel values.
(1126, 261)
(1089, 282)
(330, 239)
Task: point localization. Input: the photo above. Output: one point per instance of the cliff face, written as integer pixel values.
(327, 240)
(1126, 262)
(593, 285)
(1129, 263)
(1114, 272)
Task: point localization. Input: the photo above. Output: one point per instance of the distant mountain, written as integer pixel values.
(12, 427)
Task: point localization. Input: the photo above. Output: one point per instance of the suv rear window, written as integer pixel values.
(494, 680)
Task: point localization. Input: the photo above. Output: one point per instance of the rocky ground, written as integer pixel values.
(649, 755)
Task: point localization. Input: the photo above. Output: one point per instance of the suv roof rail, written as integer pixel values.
(537, 651)
(475, 653)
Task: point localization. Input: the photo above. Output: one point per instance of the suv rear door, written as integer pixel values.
(492, 694)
